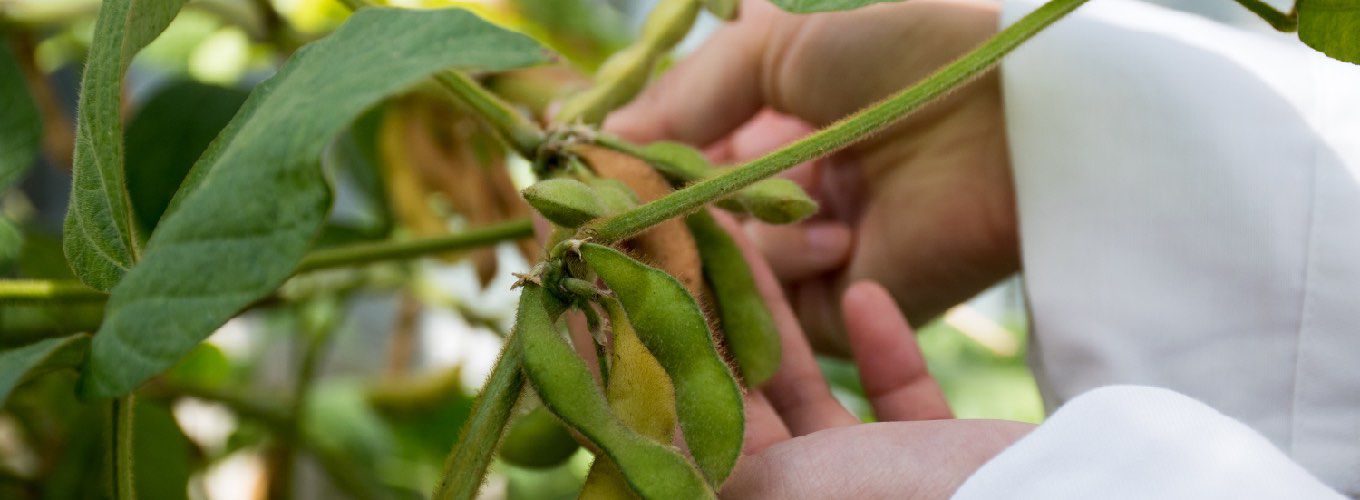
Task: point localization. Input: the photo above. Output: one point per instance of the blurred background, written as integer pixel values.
(385, 359)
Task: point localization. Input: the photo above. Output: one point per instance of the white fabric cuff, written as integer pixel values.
(1137, 443)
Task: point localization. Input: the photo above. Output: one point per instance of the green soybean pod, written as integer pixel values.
(639, 393)
(746, 322)
(671, 325)
(537, 440)
(565, 202)
(566, 387)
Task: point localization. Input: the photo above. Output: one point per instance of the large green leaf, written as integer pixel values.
(20, 140)
(1332, 27)
(20, 123)
(806, 6)
(100, 239)
(22, 364)
(167, 134)
(250, 207)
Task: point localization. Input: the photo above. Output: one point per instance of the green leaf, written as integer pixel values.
(1332, 27)
(807, 6)
(167, 134)
(20, 123)
(100, 239)
(25, 363)
(250, 207)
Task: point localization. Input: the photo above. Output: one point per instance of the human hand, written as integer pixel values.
(926, 208)
(801, 443)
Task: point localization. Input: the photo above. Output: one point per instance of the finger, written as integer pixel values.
(763, 426)
(710, 92)
(891, 366)
(797, 391)
(765, 132)
(801, 251)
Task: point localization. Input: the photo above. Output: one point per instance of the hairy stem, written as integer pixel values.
(364, 253)
(514, 128)
(25, 291)
(466, 465)
(837, 135)
(120, 448)
(1281, 21)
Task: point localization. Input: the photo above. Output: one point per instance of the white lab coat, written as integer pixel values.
(1189, 199)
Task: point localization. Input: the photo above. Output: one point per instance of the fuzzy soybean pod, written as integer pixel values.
(641, 396)
(566, 387)
(746, 322)
(669, 322)
(565, 202)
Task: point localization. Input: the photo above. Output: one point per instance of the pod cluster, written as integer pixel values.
(663, 362)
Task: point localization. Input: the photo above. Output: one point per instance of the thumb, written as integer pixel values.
(709, 93)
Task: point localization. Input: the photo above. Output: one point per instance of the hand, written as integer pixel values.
(801, 443)
(925, 208)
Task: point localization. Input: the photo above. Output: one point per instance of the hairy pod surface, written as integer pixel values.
(678, 161)
(777, 201)
(667, 245)
(668, 321)
(565, 202)
(639, 393)
(537, 440)
(746, 322)
(614, 195)
(566, 387)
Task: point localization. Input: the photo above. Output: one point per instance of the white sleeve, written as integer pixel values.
(1189, 205)
(1141, 442)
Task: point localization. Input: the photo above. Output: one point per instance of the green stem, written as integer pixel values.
(364, 253)
(1281, 21)
(121, 448)
(28, 290)
(838, 135)
(516, 129)
(317, 331)
(25, 291)
(466, 465)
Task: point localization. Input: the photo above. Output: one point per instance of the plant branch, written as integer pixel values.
(32, 290)
(364, 253)
(1281, 21)
(121, 448)
(838, 135)
(466, 464)
(523, 135)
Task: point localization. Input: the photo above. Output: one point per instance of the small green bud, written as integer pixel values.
(724, 9)
(777, 201)
(614, 195)
(677, 161)
(565, 202)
